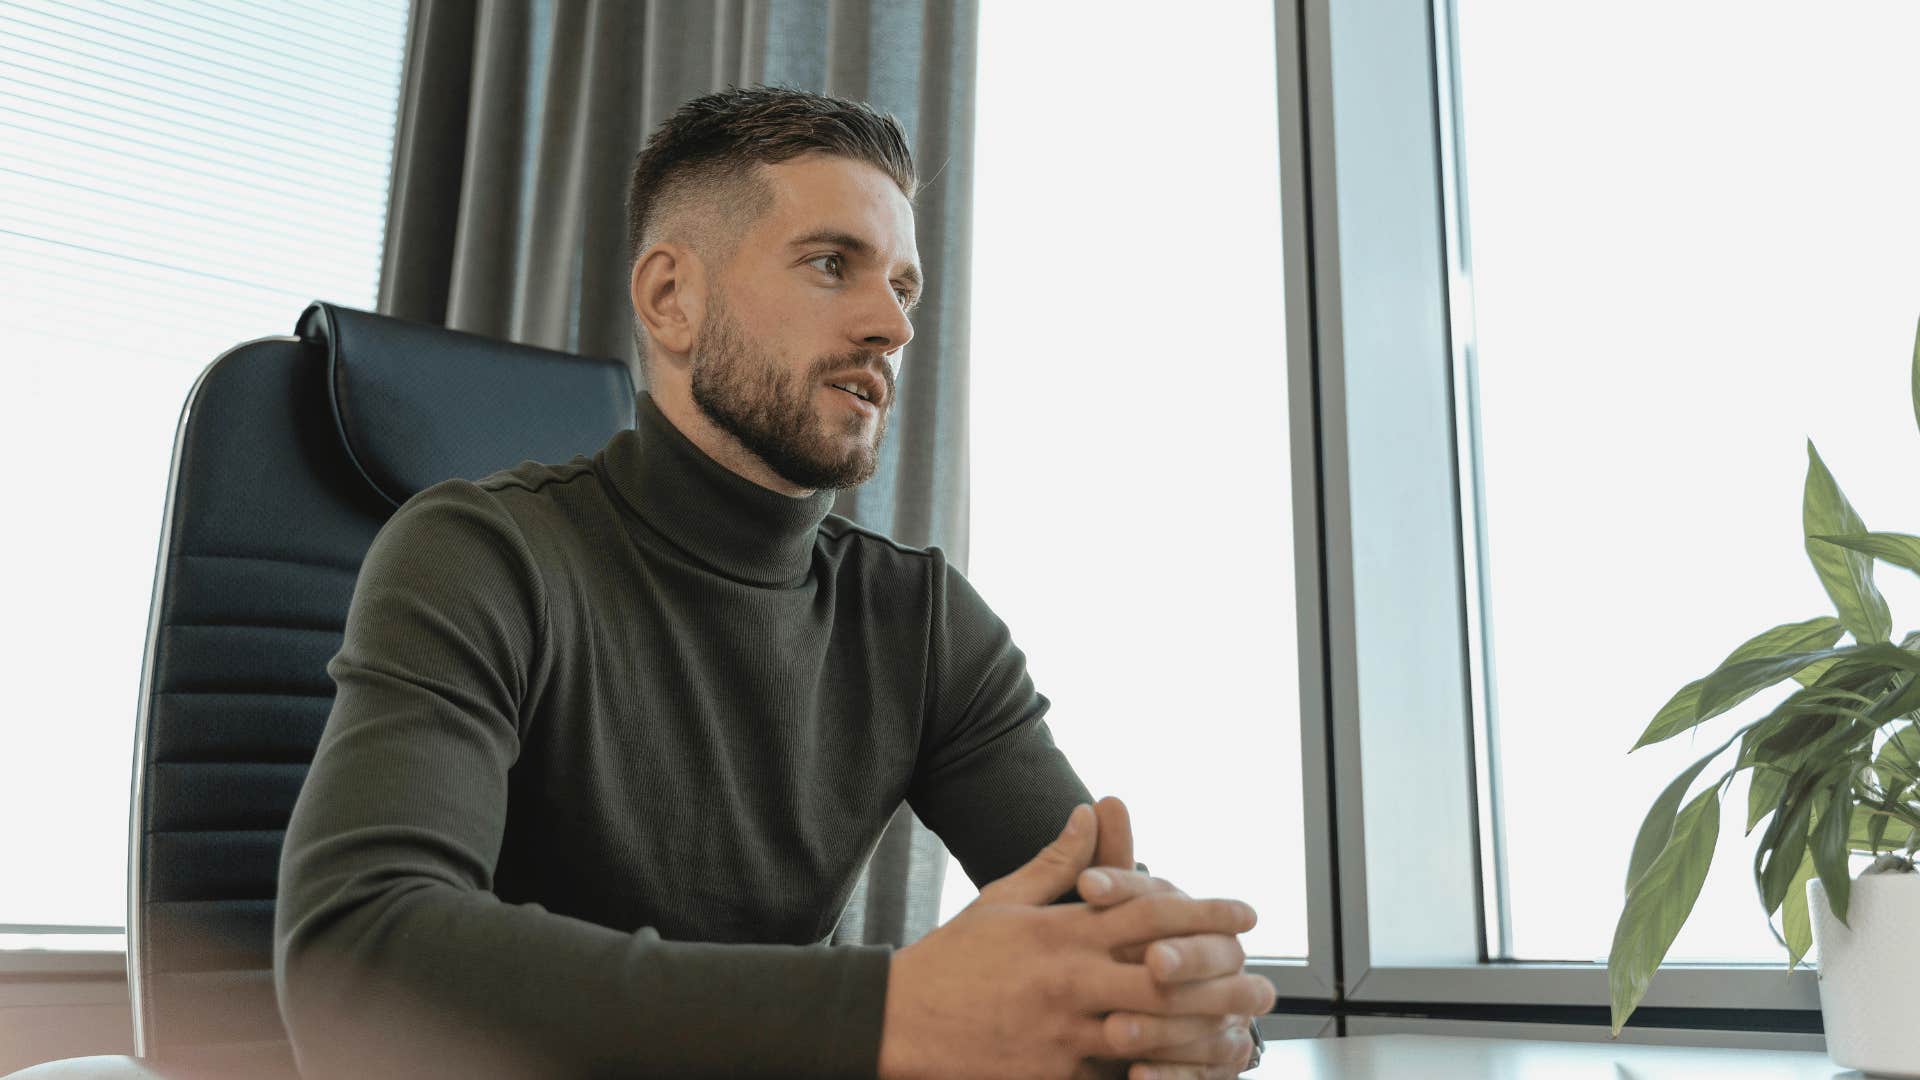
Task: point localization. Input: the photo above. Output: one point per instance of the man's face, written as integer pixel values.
(817, 293)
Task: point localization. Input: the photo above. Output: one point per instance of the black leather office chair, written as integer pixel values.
(290, 454)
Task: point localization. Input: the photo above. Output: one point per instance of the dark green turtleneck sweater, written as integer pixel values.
(611, 744)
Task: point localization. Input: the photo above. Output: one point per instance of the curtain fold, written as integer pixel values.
(518, 124)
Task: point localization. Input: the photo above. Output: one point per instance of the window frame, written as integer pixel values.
(62, 963)
(1642, 1036)
(1316, 978)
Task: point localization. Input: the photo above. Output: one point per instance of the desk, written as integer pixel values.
(1452, 1057)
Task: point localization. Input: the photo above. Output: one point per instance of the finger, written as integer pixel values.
(1145, 1071)
(1086, 1036)
(1149, 918)
(1116, 834)
(1195, 957)
(1104, 887)
(1143, 1035)
(1136, 953)
(1166, 1071)
(1221, 1052)
(1052, 872)
(1170, 1071)
(1130, 988)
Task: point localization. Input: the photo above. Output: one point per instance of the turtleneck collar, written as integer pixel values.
(712, 514)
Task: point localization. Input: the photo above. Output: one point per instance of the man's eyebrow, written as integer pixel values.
(842, 238)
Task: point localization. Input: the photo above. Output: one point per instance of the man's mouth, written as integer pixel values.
(849, 389)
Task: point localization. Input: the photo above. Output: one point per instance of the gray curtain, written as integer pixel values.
(518, 123)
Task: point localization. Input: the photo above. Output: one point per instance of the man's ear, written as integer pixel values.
(668, 292)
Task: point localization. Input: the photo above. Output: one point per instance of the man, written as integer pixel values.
(613, 739)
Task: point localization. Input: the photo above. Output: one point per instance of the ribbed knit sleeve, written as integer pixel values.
(393, 957)
(989, 780)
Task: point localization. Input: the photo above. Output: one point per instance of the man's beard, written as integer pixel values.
(753, 397)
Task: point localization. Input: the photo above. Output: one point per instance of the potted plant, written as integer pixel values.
(1834, 770)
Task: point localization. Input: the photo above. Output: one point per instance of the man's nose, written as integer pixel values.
(884, 326)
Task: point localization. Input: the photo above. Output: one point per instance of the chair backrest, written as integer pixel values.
(290, 454)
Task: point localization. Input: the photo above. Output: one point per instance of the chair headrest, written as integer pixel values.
(417, 404)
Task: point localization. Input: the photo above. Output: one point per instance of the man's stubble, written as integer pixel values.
(753, 397)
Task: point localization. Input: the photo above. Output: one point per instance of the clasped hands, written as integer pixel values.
(1195, 1046)
(1140, 981)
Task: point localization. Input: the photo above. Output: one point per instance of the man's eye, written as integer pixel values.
(906, 298)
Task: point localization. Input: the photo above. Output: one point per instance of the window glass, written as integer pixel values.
(1692, 230)
(1131, 507)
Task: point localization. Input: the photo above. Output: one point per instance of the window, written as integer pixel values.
(1131, 507)
(1676, 280)
(174, 179)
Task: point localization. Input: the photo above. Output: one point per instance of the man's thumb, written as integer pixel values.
(1051, 873)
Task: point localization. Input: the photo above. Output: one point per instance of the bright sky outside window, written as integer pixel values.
(1131, 516)
(174, 179)
(1693, 235)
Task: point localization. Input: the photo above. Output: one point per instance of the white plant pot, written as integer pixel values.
(1869, 979)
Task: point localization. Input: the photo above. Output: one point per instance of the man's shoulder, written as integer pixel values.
(538, 478)
(529, 478)
(844, 537)
(536, 494)
(845, 533)
(537, 501)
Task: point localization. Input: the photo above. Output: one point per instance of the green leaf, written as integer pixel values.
(1874, 661)
(1786, 846)
(1763, 793)
(1683, 711)
(1818, 705)
(1858, 681)
(1845, 738)
(1797, 729)
(1811, 674)
(1846, 575)
(1792, 740)
(1658, 825)
(1897, 704)
(1916, 376)
(1794, 919)
(1902, 749)
(1659, 903)
(1899, 549)
(1830, 844)
(1772, 774)
(1735, 682)
(1897, 833)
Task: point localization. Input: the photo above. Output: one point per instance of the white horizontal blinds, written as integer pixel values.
(199, 169)
(174, 179)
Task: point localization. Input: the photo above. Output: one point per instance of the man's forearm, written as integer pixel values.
(437, 981)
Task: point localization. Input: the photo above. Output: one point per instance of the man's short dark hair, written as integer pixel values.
(705, 157)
